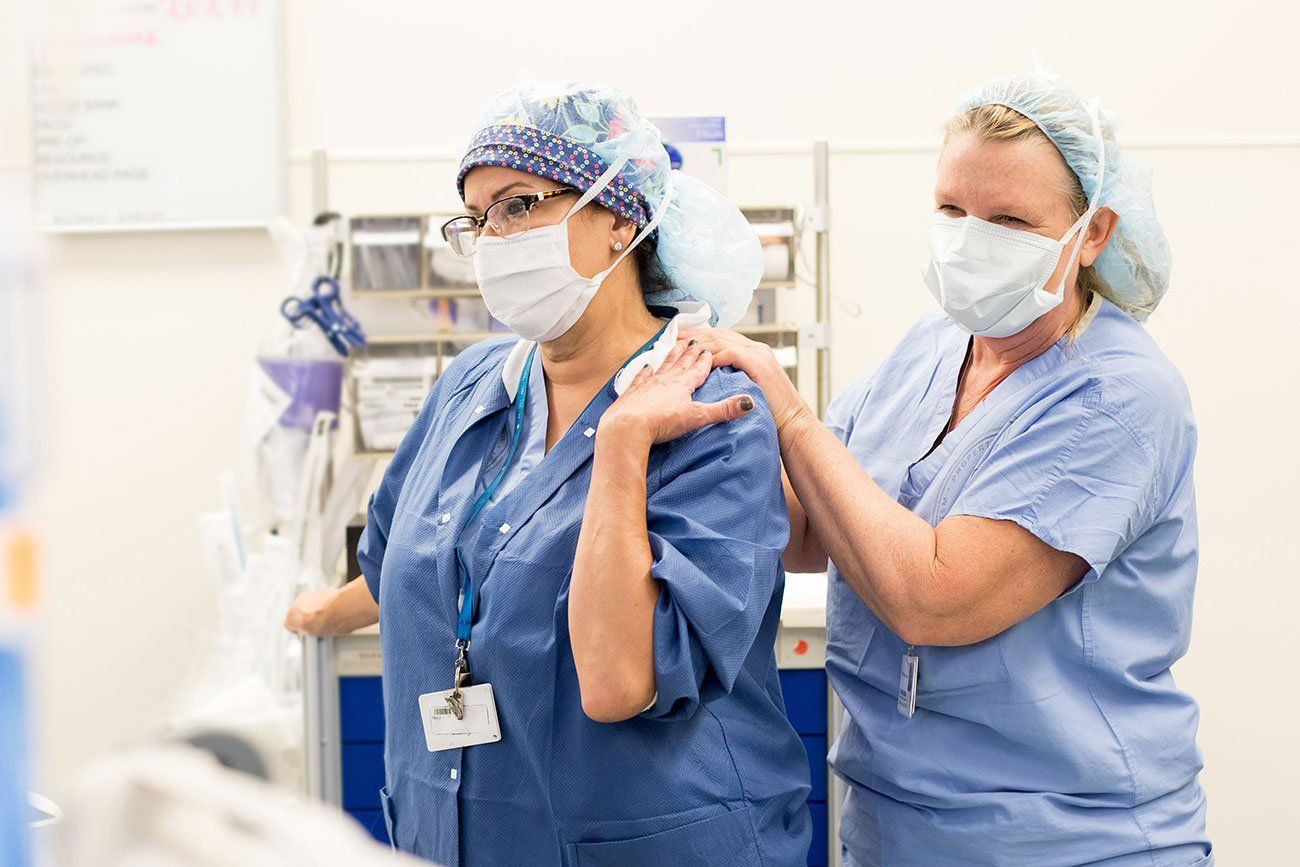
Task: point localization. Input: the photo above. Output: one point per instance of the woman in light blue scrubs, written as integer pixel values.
(1008, 509)
(578, 591)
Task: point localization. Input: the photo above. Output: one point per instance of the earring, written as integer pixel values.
(618, 245)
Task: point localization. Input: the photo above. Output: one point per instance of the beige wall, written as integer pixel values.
(148, 337)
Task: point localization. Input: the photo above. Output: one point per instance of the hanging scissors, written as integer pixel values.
(324, 308)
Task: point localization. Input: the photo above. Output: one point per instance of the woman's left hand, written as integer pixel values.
(657, 406)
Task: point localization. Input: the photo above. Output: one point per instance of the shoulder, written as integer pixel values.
(924, 345)
(1135, 383)
(471, 363)
(929, 335)
(726, 382)
(746, 440)
(461, 375)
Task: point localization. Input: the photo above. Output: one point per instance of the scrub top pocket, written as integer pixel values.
(726, 838)
(945, 669)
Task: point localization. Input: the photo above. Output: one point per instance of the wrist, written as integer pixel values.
(788, 408)
(794, 421)
(328, 619)
(624, 433)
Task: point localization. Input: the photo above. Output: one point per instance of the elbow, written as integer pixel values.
(920, 630)
(611, 699)
(800, 562)
(613, 693)
(936, 613)
(949, 626)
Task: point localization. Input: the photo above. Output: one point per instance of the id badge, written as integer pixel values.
(907, 678)
(443, 731)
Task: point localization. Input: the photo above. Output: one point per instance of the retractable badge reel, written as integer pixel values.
(907, 678)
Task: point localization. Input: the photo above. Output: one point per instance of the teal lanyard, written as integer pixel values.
(464, 623)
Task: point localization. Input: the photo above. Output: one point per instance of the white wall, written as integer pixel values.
(149, 337)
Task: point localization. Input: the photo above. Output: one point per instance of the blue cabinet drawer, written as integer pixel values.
(816, 747)
(817, 852)
(363, 776)
(361, 709)
(373, 822)
(804, 690)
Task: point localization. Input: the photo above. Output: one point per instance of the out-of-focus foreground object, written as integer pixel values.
(18, 544)
(17, 597)
(177, 806)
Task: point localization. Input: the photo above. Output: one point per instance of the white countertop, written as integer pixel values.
(805, 601)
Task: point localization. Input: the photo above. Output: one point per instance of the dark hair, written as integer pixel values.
(649, 270)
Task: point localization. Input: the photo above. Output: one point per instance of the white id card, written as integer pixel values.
(443, 731)
(907, 678)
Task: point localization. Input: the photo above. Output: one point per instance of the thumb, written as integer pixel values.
(728, 410)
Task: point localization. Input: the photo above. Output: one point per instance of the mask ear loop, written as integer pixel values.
(1094, 112)
(644, 233)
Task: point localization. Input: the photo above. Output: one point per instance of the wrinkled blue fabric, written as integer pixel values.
(1063, 740)
(712, 772)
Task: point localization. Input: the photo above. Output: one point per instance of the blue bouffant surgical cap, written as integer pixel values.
(572, 132)
(1135, 264)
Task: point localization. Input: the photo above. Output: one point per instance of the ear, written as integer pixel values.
(1097, 235)
(622, 232)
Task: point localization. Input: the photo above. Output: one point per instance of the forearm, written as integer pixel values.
(353, 608)
(804, 552)
(888, 555)
(334, 611)
(611, 594)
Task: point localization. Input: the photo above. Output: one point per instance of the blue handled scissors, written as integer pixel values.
(324, 308)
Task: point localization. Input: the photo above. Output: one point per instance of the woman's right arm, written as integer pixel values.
(804, 553)
(335, 611)
(959, 582)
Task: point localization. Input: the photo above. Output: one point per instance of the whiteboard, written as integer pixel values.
(158, 114)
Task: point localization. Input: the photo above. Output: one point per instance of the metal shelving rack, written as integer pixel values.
(321, 703)
(808, 338)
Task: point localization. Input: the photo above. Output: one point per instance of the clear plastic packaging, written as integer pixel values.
(389, 395)
(385, 253)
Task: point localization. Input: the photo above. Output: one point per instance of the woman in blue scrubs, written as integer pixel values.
(578, 604)
(1008, 510)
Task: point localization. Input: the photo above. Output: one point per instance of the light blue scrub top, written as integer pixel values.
(1063, 740)
(712, 772)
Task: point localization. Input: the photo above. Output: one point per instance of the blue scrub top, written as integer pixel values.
(712, 772)
(1063, 740)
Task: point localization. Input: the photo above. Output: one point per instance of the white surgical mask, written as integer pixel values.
(991, 280)
(528, 282)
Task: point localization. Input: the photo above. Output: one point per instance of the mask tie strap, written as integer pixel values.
(1094, 112)
(641, 236)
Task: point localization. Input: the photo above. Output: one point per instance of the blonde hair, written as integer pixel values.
(998, 123)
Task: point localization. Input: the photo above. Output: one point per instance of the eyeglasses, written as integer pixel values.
(507, 217)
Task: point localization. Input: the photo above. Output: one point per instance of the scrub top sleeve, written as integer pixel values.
(844, 409)
(717, 527)
(379, 512)
(1075, 475)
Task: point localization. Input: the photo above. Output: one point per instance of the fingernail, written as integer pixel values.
(746, 403)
